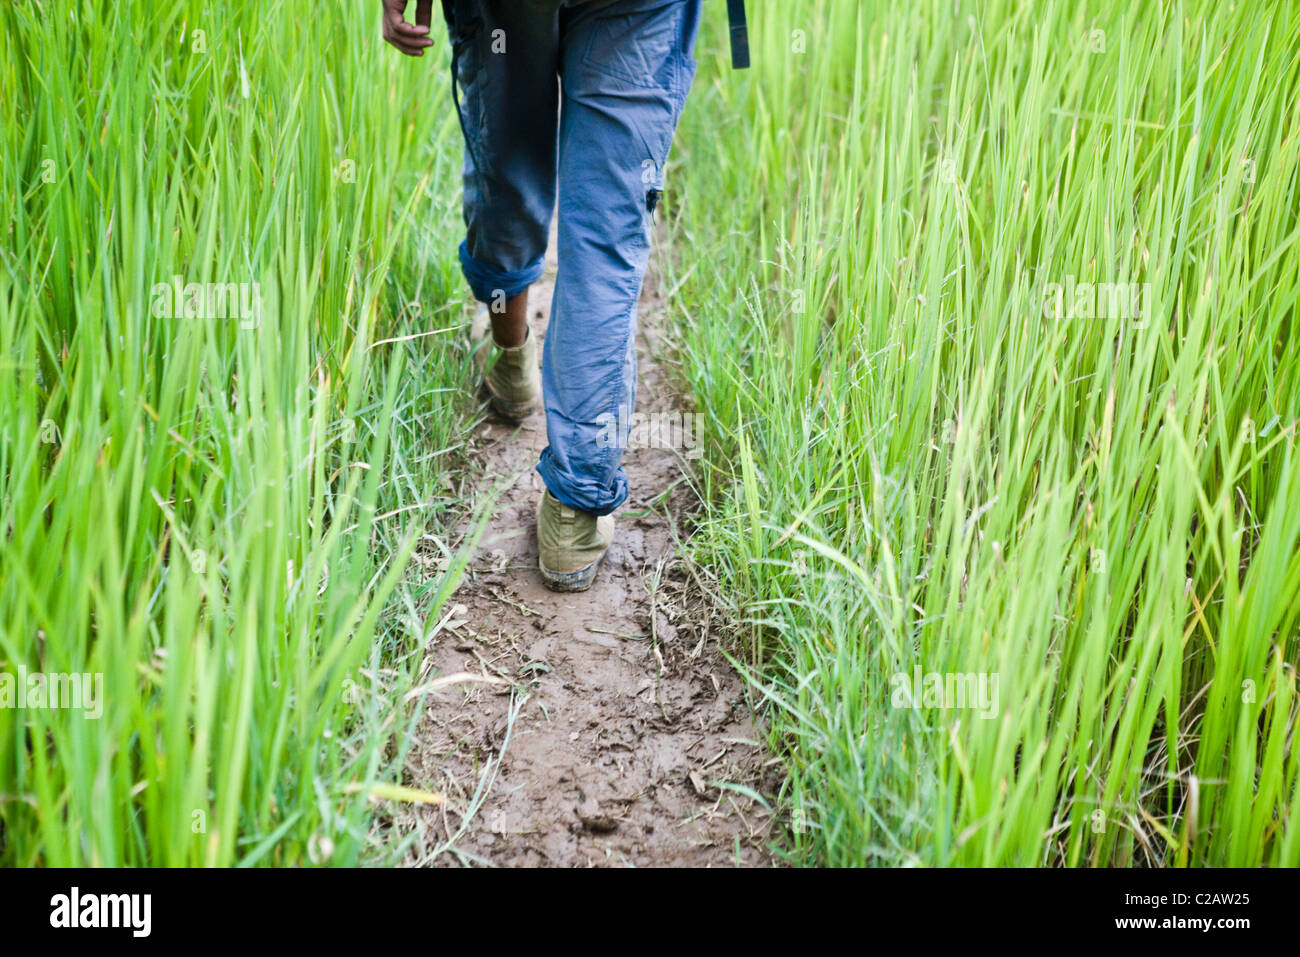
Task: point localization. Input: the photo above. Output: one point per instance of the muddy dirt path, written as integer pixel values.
(614, 718)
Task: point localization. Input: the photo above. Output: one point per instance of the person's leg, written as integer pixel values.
(506, 60)
(510, 325)
(626, 69)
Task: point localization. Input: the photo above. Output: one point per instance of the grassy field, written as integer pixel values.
(213, 508)
(989, 306)
(934, 453)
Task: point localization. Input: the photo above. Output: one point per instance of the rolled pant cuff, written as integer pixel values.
(487, 282)
(584, 496)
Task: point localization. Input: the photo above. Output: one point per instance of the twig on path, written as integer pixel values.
(460, 677)
(519, 606)
(616, 634)
(654, 641)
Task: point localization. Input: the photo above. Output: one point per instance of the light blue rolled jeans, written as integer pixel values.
(580, 97)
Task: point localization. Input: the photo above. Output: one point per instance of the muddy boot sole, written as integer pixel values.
(580, 580)
(514, 411)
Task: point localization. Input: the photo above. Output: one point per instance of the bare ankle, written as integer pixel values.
(510, 325)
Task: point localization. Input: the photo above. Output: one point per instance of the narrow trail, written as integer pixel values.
(615, 716)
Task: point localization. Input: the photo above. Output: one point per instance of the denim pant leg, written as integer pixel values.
(626, 69)
(506, 61)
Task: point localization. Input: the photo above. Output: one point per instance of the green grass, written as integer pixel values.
(218, 518)
(911, 465)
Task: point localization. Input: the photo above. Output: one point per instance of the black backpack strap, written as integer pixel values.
(739, 34)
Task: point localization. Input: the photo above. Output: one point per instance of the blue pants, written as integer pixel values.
(583, 95)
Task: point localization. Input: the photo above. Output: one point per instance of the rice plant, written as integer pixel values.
(225, 426)
(989, 306)
(990, 309)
